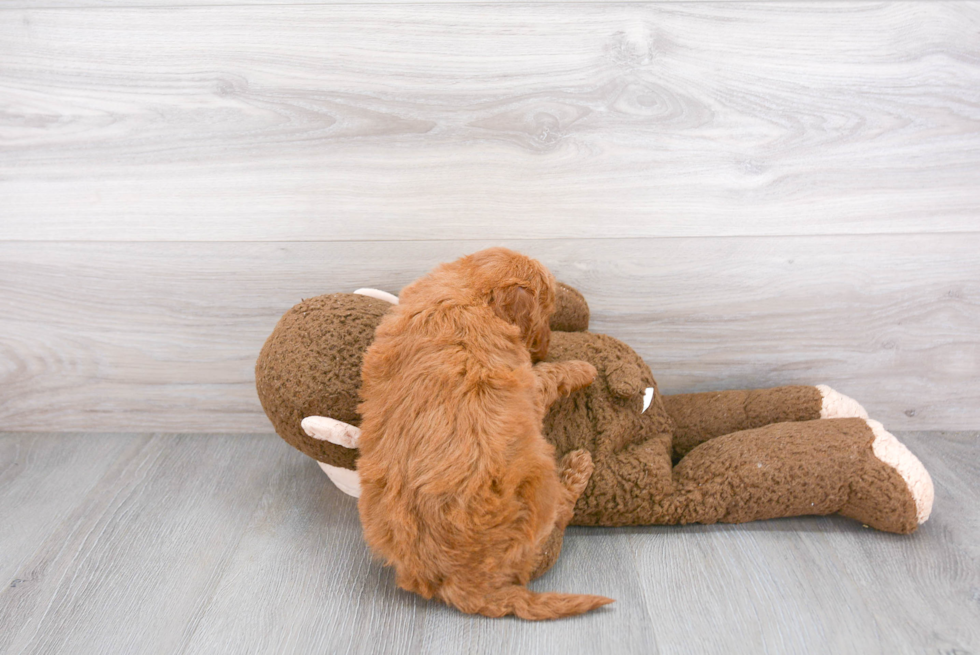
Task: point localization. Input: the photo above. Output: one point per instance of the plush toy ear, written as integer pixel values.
(625, 379)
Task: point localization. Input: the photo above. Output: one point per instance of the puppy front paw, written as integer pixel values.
(575, 470)
(577, 375)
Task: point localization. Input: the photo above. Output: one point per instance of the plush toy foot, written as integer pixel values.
(342, 434)
(894, 453)
(837, 405)
(868, 501)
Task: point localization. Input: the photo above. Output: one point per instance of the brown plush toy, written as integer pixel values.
(729, 456)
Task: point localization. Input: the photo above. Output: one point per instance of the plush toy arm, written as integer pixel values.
(703, 416)
(342, 434)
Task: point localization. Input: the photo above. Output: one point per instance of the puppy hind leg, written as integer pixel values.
(574, 472)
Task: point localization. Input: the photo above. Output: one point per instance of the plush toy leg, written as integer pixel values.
(847, 466)
(703, 416)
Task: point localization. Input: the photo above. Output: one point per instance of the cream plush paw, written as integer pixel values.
(893, 452)
(837, 405)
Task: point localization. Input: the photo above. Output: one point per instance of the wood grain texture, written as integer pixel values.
(237, 543)
(145, 547)
(117, 336)
(346, 122)
(43, 478)
(128, 4)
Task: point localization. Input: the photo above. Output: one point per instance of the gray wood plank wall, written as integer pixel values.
(749, 194)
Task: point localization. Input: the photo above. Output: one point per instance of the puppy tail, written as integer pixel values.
(524, 603)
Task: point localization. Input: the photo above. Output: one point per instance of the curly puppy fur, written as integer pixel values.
(460, 492)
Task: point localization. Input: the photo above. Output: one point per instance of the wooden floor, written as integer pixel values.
(162, 543)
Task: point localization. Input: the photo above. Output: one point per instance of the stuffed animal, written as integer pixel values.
(728, 456)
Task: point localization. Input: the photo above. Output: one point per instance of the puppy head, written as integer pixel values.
(520, 290)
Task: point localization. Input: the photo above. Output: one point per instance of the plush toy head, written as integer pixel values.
(311, 366)
(311, 363)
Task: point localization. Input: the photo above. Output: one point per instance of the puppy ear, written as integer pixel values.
(518, 306)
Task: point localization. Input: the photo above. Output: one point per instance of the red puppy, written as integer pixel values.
(459, 491)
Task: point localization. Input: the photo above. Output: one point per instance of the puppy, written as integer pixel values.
(459, 490)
